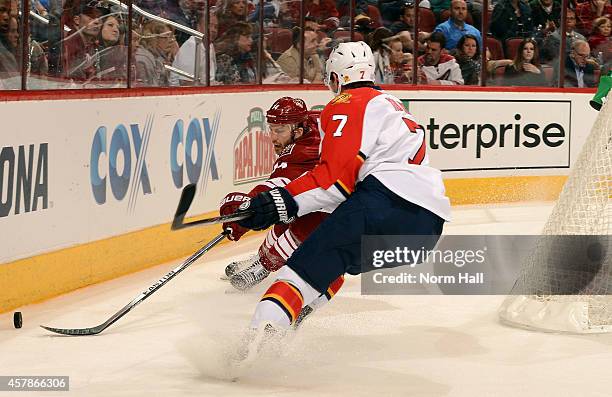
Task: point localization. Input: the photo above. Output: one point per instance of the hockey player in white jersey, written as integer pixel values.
(373, 173)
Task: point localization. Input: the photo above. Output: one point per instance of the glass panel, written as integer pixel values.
(185, 59)
(10, 46)
(154, 46)
(281, 42)
(237, 45)
(80, 44)
(521, 32)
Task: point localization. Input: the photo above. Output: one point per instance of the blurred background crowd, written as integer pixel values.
(47, 44)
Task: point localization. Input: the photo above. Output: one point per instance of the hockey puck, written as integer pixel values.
(17, 319)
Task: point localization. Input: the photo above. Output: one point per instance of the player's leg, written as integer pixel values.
(335, 248)
(279, 244)
(238, 266)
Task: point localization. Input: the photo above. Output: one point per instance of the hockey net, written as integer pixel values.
(584, 208)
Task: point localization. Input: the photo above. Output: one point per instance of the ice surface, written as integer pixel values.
(178, 342)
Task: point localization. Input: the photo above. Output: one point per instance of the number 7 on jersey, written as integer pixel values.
(343, 118)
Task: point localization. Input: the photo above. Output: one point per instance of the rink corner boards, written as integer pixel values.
(44, 276)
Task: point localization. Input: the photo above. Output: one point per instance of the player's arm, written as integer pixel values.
(334, 178)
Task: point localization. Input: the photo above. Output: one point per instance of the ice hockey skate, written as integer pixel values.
(249, 277)
(238, 266)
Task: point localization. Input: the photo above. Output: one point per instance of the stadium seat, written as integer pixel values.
(279, 41)
(495, 47)
(427, 20)
(512, 45)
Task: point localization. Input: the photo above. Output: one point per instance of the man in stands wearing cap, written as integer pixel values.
(79, 53)
(295, 136)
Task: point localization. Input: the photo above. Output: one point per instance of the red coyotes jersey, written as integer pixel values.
(295, 159)
(368, 132)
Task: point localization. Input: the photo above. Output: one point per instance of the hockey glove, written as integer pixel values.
(271, 207)
(228, 206)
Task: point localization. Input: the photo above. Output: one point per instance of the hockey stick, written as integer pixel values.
(183, 206)
(148, 292)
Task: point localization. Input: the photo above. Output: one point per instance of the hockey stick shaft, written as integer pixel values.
(144, 295)
(187, 195)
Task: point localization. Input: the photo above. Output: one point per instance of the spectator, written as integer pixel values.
(362, 21)
(580, 67)
(272, 72)
(185, 58)
(406, 20)
(382, 56)
(467, 55)
(404, 28)
(324, 12)
(525, 69)
(38, 59)
(436, 67)
(152, 54)
(511, 18)
(393, 66)
(590, 10)
(439, 6)
(493, 64)
(184, 12)
(455, 27)
(10, 38)
(233, 11)
(111, 51)
(600, 37)
(552, 42)
(81, 43)
(156, 7)
(391, 10)
(546, 13)
(289, 60)
(236, 64)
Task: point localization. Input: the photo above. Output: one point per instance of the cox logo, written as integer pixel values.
(122, 162)
(187, 153)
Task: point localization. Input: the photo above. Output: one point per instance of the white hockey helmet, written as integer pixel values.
(351, 62)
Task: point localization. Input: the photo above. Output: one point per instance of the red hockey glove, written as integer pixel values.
(228, 206)
(274, 206)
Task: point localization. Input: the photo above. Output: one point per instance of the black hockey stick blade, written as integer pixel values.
(213, 221)
(76, 331)
(144, 295)
(185, 201)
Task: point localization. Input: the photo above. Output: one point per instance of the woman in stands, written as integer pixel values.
(112, 50)
(525, 69)
(155, 50)
(467, 55)
(232, 12)
(599, 40)
(391, 64)
(236, 63)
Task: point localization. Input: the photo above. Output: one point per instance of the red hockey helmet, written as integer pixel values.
(287, 110)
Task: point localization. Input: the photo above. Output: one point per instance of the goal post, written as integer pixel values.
(584, 208)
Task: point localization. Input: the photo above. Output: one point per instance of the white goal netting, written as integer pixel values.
(584, 208)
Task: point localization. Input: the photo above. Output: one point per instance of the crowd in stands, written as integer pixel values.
(521, 47)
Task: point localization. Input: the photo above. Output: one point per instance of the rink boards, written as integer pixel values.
(89, 186)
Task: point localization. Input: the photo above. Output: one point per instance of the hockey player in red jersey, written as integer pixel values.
(295, 136)
(374, 176)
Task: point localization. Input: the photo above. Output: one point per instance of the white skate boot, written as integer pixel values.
(249, 277)
(238, 266)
